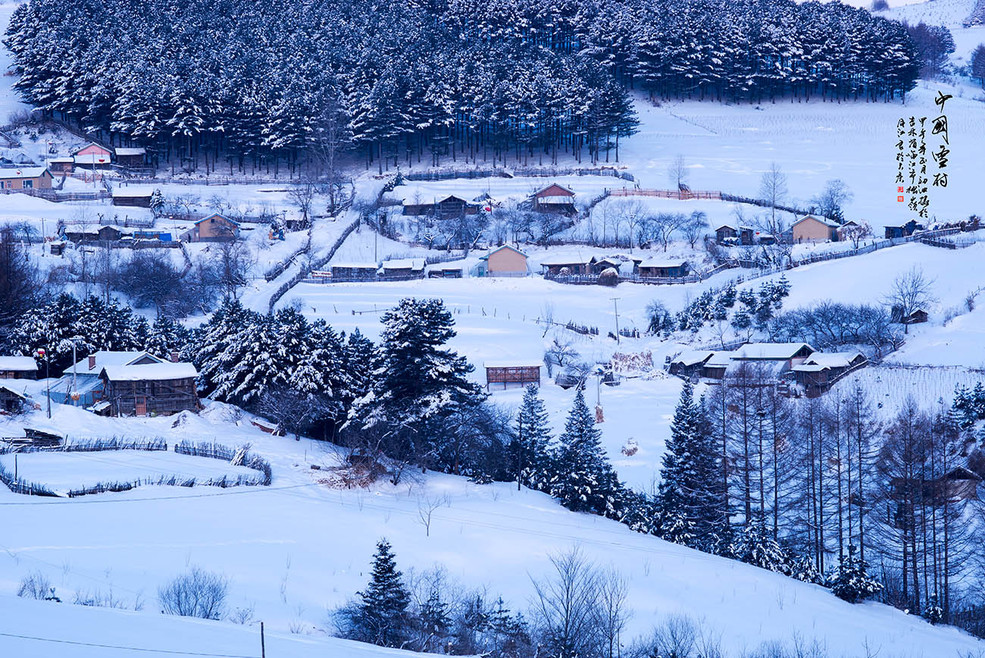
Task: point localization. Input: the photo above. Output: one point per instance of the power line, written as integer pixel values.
(125, 648)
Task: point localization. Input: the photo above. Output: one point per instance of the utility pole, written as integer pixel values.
(263, 647)
(615, 305)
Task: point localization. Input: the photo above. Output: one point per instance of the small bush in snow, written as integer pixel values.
(851, 582)
(37, 586)
(198, 593)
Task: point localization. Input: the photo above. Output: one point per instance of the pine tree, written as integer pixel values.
(851, 582)
(584, 481)
(530, 445)
(757, 547)
(381, 617)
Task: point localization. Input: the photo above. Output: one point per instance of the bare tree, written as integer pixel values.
(302, 195)
(197, 593)
(830, 201)
(694, 227)
(773, 189)
(426, 506)
(855, 232)
(612, 613)
(232, 262)
(566, 607)
(677, 173)
(19, 277)
(911, 292)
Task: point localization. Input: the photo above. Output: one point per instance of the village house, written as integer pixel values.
(897, 231)
(818, 372)
(89, 234)
(11, 401)
(61, 165)
(451, 207)
(402, 269)
(214, 228)
(80, 384)
(688, 364)
(662, 268)
(776, 358)
(813, 229)
(148, 389)
(132, 196)
(452, 270)
(512, 374)
(624, 264)
(554, 199)
(18, 179)
(93, 156)
(917, 316)
(566, 266)
(728, 234)
(18, 367)
(131, 157)
(354, 271)
(504, 261)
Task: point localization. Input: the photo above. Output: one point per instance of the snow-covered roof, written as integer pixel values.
(451, 265)
(22, 172)
(512, 364)
(663, 262)
(769, 351)
(91, 159)
(62, 159)
(18, 363)
(10, 390)
(149, 372)
(831, 359)
(498, 249)
(692, 357)
(134, 150)
(774, 368)
(133, 191)
(215, 214)
(826, 222)
(404, 264)
(110, 358)
(355, 266)
(611, 258)
(565, 260)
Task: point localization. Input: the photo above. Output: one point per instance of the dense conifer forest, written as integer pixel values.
(236, 82)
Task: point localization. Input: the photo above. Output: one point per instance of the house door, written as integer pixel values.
(141, 406)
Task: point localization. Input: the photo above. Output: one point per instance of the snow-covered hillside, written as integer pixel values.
(299, 547)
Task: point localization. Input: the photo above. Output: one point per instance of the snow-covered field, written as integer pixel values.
(298, 548)
(62, 471)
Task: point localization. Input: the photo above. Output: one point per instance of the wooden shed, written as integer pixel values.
(150, 389)
(512, 374)
(11, 401)
(566, 266)
(354, 271)
(554, 199)
(62, 165)
(18, 367)
(85, 234)
(402, 269)
(132, 156)
(658, 268)
(132, 197)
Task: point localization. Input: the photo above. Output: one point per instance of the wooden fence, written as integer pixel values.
(680, 195)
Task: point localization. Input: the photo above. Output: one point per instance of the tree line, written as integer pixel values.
(232, 83)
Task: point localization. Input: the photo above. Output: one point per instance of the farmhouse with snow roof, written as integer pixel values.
(214, 228)
(17, 179)
(554, 199)
(813, 229)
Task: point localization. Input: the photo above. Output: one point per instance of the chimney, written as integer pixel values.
(92, 361)
(175, 356)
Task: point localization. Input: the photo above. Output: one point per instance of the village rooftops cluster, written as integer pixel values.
(813, 371)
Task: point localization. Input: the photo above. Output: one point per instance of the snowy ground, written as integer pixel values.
(62, 471)
(298, 548)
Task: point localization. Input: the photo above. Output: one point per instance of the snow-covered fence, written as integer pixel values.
(516, 172)
(281, 267)
(100, 445)
(305, 271)
(241, 456)
(762, 203)
(21, 486)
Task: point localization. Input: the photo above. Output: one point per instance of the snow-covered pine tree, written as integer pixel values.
(166, 336)
(584, 481)
(757, 547)
(381, 616)
(851, 581)
(530, 460)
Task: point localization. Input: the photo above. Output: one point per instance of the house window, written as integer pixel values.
(28, 184)
(2, 184)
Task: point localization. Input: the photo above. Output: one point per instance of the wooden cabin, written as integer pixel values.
(149, 389)
(132, 156)
(566, 266)
(554, 199)
(451, 207)
(505, 261)
(689, 363)
(93, 156)
(63, 165)
(18, 179)
(741, 235)
(214, 228)
(402, 269)
(512, 375)
(80, 384)
(12, 401)
(18, 367)
(813, 229)
(819, 372)
(657, 268)
(354, 271)
(918, 316)
(902, 230)
(625, 264)
(452, 270)
(86, 234)
(777, 357)
(132, 197)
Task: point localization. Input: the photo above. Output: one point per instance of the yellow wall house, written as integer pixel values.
(506, 261)
(812, 229)
(25, 178)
